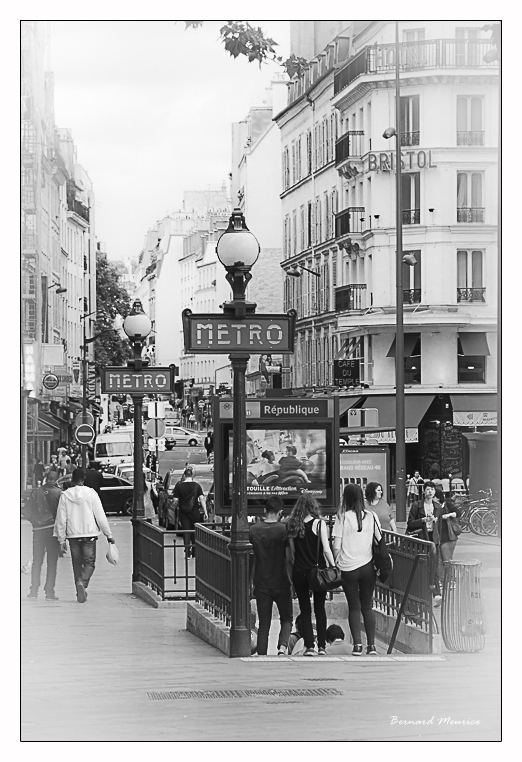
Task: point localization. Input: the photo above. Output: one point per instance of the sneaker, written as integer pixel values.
(437, 600)
(51, 597)
(282, 651)
(32, 596)
(321, 651)
(81, 595)
(371, 650)
(357, 649)
(310, 652)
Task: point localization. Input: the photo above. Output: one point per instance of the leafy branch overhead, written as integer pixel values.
(242, 39)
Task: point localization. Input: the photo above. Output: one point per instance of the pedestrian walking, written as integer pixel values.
(305, 529)
(375, 502)
(353, 534)
(149, 500)
(271, 576)
(41, 511)
(423, 520)
(38, 472)
(209, 444)
(79, 519)
(190, 498)
(414, 488)
(94, 477)
(335, 642)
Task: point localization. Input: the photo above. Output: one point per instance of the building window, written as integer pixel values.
(469, 197)
(470, 125)
(294, 164)
(467, 51)
(318, 220)
(410, 132)
(309, 224)
(299, 148)
(309, 152)
(411, 198)
(413, 35)
(286, 169)
(294, 232)
(411, 279)
(286, 225)
(471, 370)
(302, 228)
(470, 284)
(412, 365)
(327, 217)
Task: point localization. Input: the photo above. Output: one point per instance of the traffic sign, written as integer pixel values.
(156, 409)
(201, 403)
(84, 434)
(89, 418)
(155, 428)
(50, 381)
(156, 444)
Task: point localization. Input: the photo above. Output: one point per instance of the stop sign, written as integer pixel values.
(84, 434)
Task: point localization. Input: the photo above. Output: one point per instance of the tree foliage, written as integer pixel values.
(242, 39)
(111, 300)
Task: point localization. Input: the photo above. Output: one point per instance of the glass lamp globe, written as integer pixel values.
(137, 325)
(237, 246)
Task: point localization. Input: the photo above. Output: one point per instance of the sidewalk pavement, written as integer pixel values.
(115, 669)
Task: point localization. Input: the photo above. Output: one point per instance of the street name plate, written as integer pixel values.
(220, 334)
(146, 381)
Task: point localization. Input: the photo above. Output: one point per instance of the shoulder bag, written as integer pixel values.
(382, 561)
(323, 580)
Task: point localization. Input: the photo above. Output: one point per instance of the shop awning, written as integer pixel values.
(345, 403)
(474, 403)
(50, 421)
(473, 345)
(410, 339)
(415, 407)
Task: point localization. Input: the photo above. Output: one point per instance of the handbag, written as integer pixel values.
(382, 561)
(455, 525)
(323, 580)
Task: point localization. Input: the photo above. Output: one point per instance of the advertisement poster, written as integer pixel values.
(363, 465)
(285, 462)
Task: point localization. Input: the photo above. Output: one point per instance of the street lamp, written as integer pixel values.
(137, 325)
(400, 434)
(238, 250)
(295, 273)
(59, 290)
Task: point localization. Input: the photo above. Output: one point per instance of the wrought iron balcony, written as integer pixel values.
(350, 297)
(470, 214)
(411, 216)
(473, 138)
(471, 295)
(423, 54)
(78, 208)
(348, 146)
(411, 295)
(349, 221)
(410, 138)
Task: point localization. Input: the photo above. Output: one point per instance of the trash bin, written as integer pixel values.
(462, 617)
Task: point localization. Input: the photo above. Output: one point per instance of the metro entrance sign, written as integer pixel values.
(223, 334)
(147, 381)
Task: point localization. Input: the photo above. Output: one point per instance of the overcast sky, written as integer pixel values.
(150, 107)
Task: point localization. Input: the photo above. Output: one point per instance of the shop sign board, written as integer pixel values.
(462, 418)
(346, 372)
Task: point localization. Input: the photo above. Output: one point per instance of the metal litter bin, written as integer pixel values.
(462, 617)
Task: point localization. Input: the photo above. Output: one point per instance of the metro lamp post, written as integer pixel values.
(238, 250)
(137, 325)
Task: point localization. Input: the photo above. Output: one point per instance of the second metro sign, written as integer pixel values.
(255, 334)
(147, 381)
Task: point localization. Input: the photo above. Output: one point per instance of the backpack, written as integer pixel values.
(36, 509)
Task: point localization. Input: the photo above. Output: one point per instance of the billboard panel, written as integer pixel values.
(361, 465)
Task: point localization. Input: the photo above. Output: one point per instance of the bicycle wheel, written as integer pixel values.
(489, 523)
(475, 521)
(463, 519)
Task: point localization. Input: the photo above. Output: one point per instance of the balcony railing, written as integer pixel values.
(473, 138)
(350, 297)
(410, 138)
(411, 216)
(78, 208)
(470, 214)
(423, 54)
(411, 295)
(471, 295)
(349, 221)
(349, 145)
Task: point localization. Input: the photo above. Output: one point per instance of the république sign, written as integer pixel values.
(385, 161)
(258, 334)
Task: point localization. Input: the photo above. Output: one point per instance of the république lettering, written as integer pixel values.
(385, 162)
(231, 334)
(278, 410)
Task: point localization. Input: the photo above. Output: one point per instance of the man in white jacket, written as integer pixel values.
(79, 519)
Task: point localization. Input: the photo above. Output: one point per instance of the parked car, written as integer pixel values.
(177, 435)
(126, 471)
(115, 493)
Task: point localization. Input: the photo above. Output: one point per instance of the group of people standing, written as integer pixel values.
(62, 463)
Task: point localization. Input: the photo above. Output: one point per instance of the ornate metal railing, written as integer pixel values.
(213, 575)
(411, 216)
(349, 221)
(163, 564)
(423, 54)
(470, 214)
(471, 295)
(349, 297)
(410, 138)
(412, 295)
(474, 138)
(348, 145)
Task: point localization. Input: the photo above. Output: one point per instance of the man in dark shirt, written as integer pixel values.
(271, 577)
(94, 477)
(190, 498)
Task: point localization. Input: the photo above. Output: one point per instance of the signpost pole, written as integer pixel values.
(84, 391)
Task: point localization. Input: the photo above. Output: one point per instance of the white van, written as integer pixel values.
(114, 448)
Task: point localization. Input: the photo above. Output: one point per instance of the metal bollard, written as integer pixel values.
(462, 617)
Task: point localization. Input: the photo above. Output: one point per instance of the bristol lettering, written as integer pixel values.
(385, 161)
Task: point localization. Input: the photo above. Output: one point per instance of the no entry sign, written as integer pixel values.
(84, 434)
